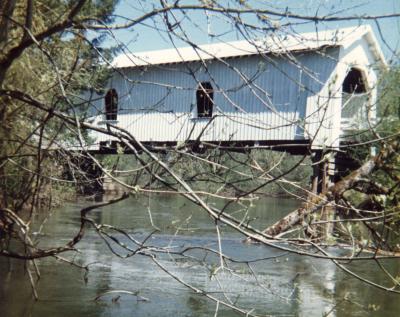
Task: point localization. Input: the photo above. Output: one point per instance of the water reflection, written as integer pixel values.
(286, 284)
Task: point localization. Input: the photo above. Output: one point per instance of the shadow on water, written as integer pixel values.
(286, 284)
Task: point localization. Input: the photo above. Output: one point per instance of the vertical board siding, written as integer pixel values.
(158, 103)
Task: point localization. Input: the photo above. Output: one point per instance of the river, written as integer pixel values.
(286, 284)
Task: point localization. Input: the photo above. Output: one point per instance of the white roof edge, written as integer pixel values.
(370, 36)
(274, 44)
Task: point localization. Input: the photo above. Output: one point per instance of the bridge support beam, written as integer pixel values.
(322, 170)
(329, 167)
(323, 174)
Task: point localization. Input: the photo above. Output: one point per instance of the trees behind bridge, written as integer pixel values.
(52, 51)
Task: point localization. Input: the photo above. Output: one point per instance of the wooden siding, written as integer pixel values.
(276, 101)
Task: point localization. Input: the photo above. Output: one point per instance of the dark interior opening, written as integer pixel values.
(354, 82)
(204, 97)
(111, 102)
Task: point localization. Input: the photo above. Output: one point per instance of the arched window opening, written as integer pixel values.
(111, 104)
(204, 97)
(354, 82)
(355, 100)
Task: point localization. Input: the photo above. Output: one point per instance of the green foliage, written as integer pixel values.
(54, 72)
(238, 173)
(381, 190)
(389, 103)
(388, 118)
(218, 171)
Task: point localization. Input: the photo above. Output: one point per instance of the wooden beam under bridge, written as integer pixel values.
(298, 147)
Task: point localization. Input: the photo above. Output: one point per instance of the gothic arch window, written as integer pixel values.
(111, 104)
(354, 82)
(204, 98)
(355, 99)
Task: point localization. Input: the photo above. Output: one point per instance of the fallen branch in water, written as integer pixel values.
(332, 195)
(136, 294)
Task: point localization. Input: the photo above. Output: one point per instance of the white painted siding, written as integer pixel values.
(359, 55)
(257, 98)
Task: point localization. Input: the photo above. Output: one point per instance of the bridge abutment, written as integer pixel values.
(86, 174)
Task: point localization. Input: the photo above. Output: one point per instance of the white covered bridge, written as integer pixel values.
(301, 90)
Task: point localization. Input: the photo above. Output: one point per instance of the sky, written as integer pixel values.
(213, 28)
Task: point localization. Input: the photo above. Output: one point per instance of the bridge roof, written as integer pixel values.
(271, 45)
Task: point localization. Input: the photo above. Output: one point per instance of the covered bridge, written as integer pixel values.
(300, 91)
